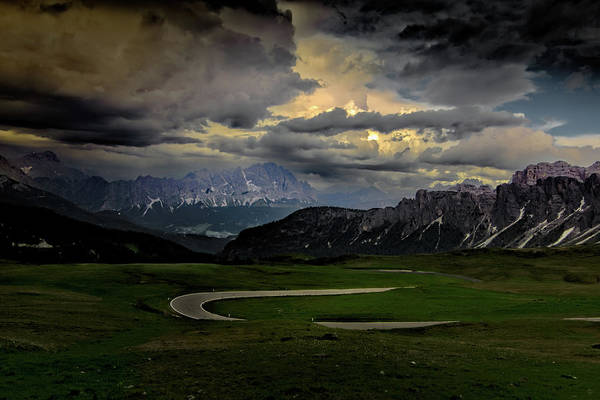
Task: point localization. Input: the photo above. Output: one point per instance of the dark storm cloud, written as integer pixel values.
(75, 120)
(472, 52)
(445, 124)
(260, 7)
(503, 30)
(137, 73)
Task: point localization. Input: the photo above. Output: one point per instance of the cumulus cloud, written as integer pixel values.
(136, 73)
(509, 149)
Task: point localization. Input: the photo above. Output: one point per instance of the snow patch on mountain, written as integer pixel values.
(562, 237)
(489, 240)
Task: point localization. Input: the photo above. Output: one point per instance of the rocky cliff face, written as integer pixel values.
(532, 173)
(554, 211)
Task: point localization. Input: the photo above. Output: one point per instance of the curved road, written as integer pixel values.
(192, 305)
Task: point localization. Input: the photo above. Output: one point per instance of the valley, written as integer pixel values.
(107, 331)
(289, 200)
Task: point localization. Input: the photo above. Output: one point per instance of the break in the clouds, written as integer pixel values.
(400, 94)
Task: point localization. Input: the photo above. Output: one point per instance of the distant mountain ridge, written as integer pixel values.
(200, 201)
(36, 226)
(540, 207)
(259, 184)
(15, 193)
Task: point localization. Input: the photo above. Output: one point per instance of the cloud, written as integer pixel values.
(508, 149)
(445, 124)
(138, 87)
(591, 140)
(488, 85)
(136, 73)
(577, 80)
(310, 154)
(459, 53)
(548, 124)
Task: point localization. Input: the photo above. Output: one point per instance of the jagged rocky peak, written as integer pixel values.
(530, 175)
(474, 189)
(474, 186)
(46, 164)
(269, 180)
(593, 169)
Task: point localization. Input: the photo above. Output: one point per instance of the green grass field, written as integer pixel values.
(105, 331)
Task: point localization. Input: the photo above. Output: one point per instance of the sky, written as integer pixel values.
(399, 95)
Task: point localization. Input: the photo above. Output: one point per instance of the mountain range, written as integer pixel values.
(217, 203)
(547, 204)
(37, 226)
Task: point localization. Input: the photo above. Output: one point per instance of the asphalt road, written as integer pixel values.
(192, 305)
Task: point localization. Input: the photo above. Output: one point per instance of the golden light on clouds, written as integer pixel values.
(23, 139)
(344, 71)
(372, 135)
(148, 91)
(352, 109)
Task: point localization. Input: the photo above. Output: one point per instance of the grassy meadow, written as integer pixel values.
(97, 331)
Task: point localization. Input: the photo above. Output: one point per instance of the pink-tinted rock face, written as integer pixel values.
(532, 173)
(478, 190)
(593, 169)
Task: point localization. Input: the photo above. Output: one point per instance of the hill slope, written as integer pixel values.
(39, 235)
(21, 194)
